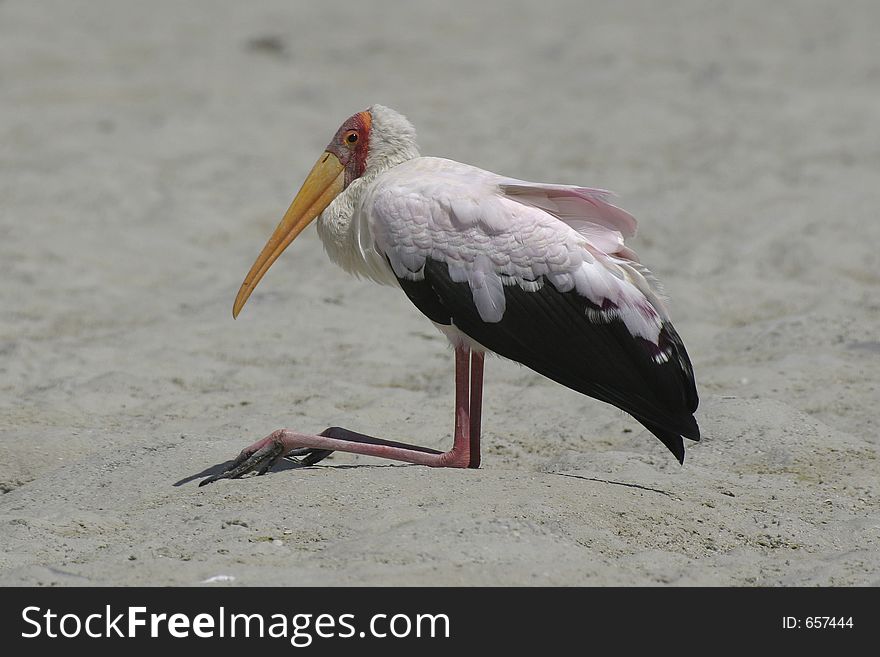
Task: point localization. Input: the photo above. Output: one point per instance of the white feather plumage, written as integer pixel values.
(492, 231)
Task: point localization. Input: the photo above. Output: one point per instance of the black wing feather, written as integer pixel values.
(550, 332)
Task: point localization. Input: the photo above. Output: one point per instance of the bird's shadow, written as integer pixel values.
(289, 464)
(615, 483)
(285, 464)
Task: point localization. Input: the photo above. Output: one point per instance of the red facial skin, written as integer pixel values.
(351, 145)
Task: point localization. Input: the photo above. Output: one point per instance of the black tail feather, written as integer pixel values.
(552, 333)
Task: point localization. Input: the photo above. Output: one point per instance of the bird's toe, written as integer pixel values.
(258, 460)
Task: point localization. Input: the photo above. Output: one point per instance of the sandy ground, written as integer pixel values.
(148, 149)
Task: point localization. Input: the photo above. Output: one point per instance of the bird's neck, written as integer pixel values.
(345, 233)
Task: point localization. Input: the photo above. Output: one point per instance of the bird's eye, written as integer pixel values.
(351, 137)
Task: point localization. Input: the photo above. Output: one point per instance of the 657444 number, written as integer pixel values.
(817, 622)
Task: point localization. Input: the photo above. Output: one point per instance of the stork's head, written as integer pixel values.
(366, 144)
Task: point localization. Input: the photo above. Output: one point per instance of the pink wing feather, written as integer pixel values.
(605, 226)
(572, 204)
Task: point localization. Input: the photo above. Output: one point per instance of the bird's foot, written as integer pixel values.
(265, 453)
(259, 458)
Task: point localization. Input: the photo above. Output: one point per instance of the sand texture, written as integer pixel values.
(147, 150)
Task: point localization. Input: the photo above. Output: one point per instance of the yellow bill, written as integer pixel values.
(324, 183)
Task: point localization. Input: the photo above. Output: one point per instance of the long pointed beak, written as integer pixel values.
(324, 183)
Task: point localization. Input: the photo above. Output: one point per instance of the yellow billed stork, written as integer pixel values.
(534, 272)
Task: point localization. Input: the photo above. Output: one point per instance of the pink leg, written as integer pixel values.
(263, 454)
(476, 406)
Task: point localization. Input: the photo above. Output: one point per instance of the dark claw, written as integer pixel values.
(261, 460)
